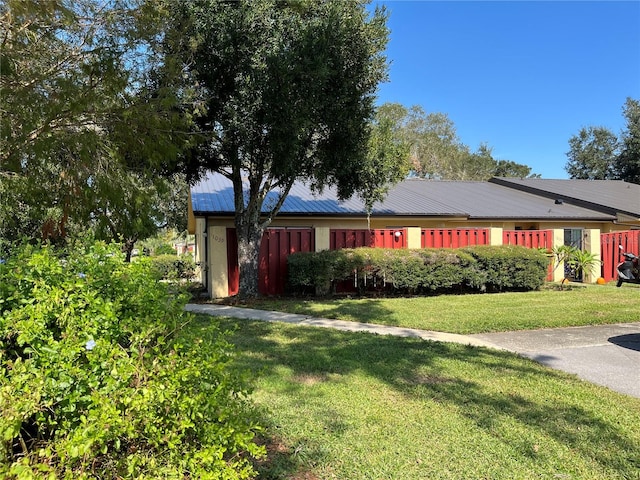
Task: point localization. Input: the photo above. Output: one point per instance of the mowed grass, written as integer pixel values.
(464, 314)
(360, 406)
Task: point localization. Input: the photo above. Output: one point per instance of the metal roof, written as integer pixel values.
(484, 200)
(213, 195)
(411, 197)
(608, 196)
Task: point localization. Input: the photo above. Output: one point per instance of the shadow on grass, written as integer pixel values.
(367, 310)
(415, 368)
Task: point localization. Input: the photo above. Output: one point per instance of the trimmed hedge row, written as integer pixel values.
(477, 268)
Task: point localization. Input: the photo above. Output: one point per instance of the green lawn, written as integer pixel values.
(359, 406)
(465, 314)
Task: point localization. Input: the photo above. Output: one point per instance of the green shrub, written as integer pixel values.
(164, 249)
(174, 267)
(510, 267)
(419, 271)
(93, 383)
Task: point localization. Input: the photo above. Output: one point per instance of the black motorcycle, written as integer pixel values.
(628, 270)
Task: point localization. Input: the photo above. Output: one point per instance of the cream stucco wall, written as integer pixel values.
(414, 237)
(591, 244)
(323, 238)
(217, 272)
(218, 266)
(199, 226)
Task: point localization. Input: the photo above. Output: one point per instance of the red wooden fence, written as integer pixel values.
(528, 238)
(278, 244)
(379, 238)
(453, 238)
(610, 251)
(275, 247)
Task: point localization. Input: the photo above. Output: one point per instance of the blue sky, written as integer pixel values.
(520, 76)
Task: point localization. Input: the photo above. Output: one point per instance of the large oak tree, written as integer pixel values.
(288, 90)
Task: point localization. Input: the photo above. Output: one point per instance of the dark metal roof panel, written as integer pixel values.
(483, 200)
(411, 197)
(608, 196)
(214, 195)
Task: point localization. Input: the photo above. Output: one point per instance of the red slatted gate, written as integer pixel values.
(379, 238)
(610, 251)
(528, 238)
(454, 238)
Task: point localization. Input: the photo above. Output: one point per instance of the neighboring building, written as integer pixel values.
(577, 210)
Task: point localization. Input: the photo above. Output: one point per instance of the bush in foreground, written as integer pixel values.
(93, 383)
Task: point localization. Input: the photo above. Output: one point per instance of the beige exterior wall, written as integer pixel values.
(199, 253)
(218, 268)
(414, 237)
(495, 235)
(591, 244)
(217, 272)
(323, 238)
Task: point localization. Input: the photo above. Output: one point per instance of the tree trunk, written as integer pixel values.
(249, 239)
(127, 248)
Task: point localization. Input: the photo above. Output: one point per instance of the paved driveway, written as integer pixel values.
(608, 355)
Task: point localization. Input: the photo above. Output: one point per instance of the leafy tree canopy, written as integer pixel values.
(596, 153)
(287, 92)
(628, 161)
(592, 154)
(437, 152)
(80, 117)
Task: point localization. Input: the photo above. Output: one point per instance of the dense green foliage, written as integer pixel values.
(592, 153)
(94, 384)
(510, 267)
(628, 162)
(84, 128)
(419, 271)
(596, 153)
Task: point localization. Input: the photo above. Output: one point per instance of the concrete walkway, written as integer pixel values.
(251, 314)
(607, 355)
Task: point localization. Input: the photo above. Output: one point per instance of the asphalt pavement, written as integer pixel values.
(607, 355)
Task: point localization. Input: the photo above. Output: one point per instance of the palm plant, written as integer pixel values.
(581, 263)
